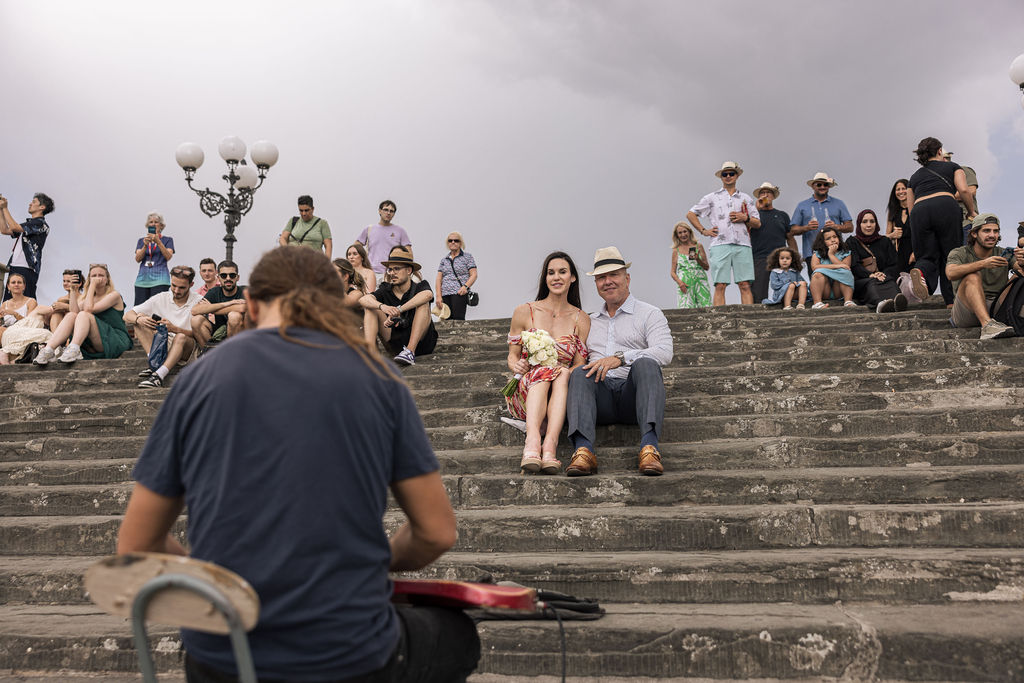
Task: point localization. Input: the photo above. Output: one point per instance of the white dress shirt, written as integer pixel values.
(638, 329)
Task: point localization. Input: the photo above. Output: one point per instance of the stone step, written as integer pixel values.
(733, 641)
(865, 485)
(130, 406)
(618, 528)
(86, 426)
(71, 448)
(804, 576)
(692, 429)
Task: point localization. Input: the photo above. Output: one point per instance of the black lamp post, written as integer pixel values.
(243, 180)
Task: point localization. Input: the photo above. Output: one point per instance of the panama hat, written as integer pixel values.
(441, 310)
(607, 259)
(401, 256)
(766, 186)
(821, 176)
(730, 166)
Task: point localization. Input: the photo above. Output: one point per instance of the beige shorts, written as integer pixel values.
(961, 314)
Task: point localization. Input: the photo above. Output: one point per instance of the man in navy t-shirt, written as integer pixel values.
(286, 479)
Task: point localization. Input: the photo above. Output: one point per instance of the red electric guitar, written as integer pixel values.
(464, 594)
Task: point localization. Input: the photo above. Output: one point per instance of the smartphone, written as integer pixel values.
(693, 251)
(1008, 254)
(156, 317)
(151, 229)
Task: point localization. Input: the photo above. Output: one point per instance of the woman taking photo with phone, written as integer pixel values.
(152, 252)
(689, 268)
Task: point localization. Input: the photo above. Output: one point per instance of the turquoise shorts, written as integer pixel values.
(734, 258)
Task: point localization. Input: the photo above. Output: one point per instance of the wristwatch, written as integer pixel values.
(620, 356)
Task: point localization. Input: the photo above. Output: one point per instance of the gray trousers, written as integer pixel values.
(637, 400)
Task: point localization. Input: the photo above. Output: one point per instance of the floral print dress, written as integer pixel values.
(567, 347)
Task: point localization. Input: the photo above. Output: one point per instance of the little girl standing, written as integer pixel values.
(786, 280)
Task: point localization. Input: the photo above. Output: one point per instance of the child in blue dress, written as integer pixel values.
(832, 276)
(785, 280)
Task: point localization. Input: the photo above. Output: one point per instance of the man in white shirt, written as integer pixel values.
(622, 383)
(172, 309)
(732, 214)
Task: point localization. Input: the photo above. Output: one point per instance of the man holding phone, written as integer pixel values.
(773, 233)
(27, 255)
(978, 274)
(173, 309)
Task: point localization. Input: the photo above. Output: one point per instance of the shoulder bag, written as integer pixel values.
(472, 298)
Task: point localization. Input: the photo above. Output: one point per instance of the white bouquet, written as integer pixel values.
(540, 350)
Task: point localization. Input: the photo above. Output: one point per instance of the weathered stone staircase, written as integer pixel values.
(844, 499)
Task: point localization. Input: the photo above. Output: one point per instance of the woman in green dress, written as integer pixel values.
(689, 268)
(93, 327)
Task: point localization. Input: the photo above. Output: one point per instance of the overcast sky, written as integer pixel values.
(528, 126)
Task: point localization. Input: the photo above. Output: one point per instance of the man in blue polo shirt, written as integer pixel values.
(819, 211)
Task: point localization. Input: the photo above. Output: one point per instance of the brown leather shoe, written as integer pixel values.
(650, 461)
(583, 463)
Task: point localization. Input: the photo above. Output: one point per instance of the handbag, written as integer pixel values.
(869, 263)
(472, 298)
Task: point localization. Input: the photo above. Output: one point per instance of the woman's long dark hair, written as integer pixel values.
(894, 208)
(310, 295)
(573, 296)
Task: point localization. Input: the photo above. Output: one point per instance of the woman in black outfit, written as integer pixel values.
(897, 226)
(936, 217)
(875, 265)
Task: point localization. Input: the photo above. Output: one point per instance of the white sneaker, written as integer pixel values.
(45, 356)
(71, 354)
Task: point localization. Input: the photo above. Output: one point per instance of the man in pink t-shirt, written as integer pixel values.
(380, 239)
(208, 273)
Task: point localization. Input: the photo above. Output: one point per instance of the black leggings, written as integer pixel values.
(457, 303)
(937, 225)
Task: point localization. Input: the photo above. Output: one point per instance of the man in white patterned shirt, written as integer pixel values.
(622, 383)
(733, 214)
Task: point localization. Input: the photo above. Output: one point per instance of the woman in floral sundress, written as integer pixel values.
(689, 268)
(541, 395)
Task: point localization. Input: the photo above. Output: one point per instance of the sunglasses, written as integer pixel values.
(97, 265)
(728, 174)
(228, 276)
(182, 270)
(822, 184)
(456, 241)
(396, 269)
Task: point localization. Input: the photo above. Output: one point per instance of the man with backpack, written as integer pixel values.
(307, 230)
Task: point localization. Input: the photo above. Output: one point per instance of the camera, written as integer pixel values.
(398, 323)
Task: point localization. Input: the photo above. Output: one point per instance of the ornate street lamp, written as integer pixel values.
(243, 180)
(1017, 75)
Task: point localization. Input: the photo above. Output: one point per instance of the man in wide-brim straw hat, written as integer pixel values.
(621, 383)
(773, 233)
(400, 310)
(819, 211)
(732, 215)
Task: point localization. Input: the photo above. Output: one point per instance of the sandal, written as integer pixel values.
(531, 463)
(849, 303)
(550, 464)
(800, 307)
(818, 306)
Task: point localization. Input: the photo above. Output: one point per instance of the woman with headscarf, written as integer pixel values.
(875, 265)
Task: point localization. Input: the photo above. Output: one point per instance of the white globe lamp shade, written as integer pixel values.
(1017, 70)
(189, 155)
(247, 177)
(264, 153)
(231, 148)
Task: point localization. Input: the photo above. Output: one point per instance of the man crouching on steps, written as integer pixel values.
(622, 384)
(399, 311)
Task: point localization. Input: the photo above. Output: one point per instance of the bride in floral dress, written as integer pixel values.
(541, 395)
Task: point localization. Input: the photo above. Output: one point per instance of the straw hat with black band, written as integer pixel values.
(400, 256)
(606, 260)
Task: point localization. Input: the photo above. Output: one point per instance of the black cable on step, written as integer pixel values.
(561, 632)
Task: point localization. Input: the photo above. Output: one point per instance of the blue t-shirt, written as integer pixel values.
(284, 454)
(831, 209)
(153, 267)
